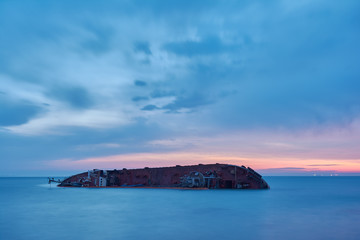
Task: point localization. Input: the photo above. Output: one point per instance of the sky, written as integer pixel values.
(274, 85)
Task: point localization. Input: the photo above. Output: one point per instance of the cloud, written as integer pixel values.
(17, 113)
(102, 73)
(140, 83)
(77, 97)
(149, 107)
(56, 121)
(99, 40)
(142, 47)
(139, 98)
(92, 147)
(286, 168)
(207, 46)
(237, 69)
(322, 165)
(187, 102)
(162, 93)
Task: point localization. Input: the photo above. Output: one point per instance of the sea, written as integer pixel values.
(294, 208)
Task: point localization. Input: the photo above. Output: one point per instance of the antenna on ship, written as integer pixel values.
(53, 180)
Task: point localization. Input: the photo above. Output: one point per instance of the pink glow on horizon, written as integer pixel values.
(332, 149)
(141, 160)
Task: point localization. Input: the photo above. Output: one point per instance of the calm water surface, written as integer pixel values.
(294, 208)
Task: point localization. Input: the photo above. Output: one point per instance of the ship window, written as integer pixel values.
(228, 184)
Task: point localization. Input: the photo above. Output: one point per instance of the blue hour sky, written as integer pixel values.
(109, 84)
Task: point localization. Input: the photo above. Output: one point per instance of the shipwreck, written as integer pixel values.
(201, 176)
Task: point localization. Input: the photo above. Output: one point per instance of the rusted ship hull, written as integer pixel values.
(209, 176)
